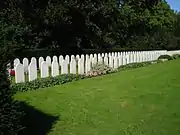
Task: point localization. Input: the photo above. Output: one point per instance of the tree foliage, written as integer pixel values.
(10, 111)
(92, 23)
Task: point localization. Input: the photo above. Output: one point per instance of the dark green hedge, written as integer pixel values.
(176, 56)
(45, 82)
(10, 110)
(135, 65)
(165, 57)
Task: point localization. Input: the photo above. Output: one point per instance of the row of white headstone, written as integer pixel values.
(77, 64)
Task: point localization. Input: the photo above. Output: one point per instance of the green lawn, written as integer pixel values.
(143, 101)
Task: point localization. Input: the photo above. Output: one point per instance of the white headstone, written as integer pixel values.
(25, 64)
(48, 60)
(106, 60)
(87, 65)
(127, 59)
(95, 55)
(64, 67)
(130, 56)
(55, 69)
(151, 56)
(91, 57)
(87, 56)
(81, 66)
(67, 59)
(94, 61)
(145, 58)
(61, 58)
(44, 69)
(33, 60)
(73, 69)
(82, 57)
(99, 55)
(16, 62)
(100, 60)
(116, 62)
(111, 62)
(77, 57)
(124, 62)
(55, 58)
(102, 54)
(19, 73)
(141, 57)
(120, 61)
(135, 58)
(41, 59)
(32, 69)
(115, 54)
(148, 56)
(72, 57)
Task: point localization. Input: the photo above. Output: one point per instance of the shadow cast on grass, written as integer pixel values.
(35, 121)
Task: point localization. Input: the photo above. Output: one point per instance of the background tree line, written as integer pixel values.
(74, 25)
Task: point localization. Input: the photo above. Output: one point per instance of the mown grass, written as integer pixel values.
(143, 101)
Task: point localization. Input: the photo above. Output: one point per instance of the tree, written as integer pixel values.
(140, 22)
(70, 25)
(10, 111)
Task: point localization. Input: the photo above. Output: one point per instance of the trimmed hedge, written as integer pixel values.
(45, 82)
(176, 56)
(136, 65)
(165, 57)
(10, 110)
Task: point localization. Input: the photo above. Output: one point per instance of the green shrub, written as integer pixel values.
(135, 65)
(165, 57)
(10, 110)
(100, 69)
(176, 56)
(45, 82)
(159, 61)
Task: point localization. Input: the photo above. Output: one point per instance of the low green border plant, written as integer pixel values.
(45, 82)
(168, 57)
(176, 56)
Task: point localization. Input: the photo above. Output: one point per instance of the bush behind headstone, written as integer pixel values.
(10, 109)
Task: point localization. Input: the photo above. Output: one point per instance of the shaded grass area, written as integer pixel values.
(143, 101)
(36, 121)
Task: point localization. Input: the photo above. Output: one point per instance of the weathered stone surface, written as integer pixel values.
(19, 73)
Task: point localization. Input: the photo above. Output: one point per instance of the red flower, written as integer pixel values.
(12, 72)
